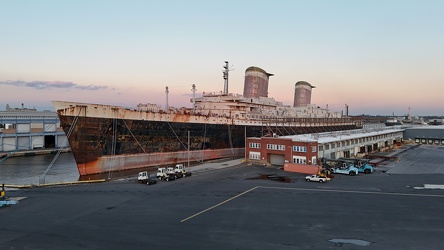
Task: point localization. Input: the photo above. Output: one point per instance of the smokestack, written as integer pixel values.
(302, 94)
(256, 82)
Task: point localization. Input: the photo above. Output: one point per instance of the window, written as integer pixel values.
(313, 149)
(255, 155)
(313, 160)
(299, 159)
(255, 145)
(299, 149)
(276, 147)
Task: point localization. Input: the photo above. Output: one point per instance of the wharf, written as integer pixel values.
(380, 158)
(33, 152)
(223, 206)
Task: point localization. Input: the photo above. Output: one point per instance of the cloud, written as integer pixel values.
(52, 84)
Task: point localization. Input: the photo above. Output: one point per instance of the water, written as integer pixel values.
(26, 170)
(340, 242)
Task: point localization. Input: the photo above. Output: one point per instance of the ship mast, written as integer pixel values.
(166, 92)
(225, 72)
(194, 96)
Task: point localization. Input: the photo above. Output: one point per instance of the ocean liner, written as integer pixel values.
(105, 138)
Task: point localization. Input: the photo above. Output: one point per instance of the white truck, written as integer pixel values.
(164, 174)
(316, 178)
(144, 177)
(181, 171)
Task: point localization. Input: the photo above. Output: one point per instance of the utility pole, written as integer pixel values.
(188, 149)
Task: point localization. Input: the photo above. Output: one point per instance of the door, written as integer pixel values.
(277, 159)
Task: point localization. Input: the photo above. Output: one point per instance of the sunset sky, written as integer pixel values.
(379, 57)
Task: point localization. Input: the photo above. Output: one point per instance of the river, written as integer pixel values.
(25, 170)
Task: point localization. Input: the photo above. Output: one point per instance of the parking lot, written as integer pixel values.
(425, 159)
(230, 208)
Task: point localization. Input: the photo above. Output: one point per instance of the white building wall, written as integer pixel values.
(353, 147)
(23, 128)
(62, 141)
(50, 127)
(37, 125)
(9, 144)
(24, 143)
(38, 142)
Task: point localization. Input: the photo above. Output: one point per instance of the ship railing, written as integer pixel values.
(338, 121)
(210, 94)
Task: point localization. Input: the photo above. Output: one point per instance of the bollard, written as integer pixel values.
(2, 193)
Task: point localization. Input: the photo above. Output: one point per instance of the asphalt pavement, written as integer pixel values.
(227, 206)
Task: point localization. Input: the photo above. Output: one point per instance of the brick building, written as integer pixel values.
(279, 150)
(307, 149)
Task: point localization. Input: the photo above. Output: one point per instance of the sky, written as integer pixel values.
(379, 57)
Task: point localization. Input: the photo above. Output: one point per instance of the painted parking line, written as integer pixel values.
(315, 190)
(431, 186)
(354, 192)
(223, 202)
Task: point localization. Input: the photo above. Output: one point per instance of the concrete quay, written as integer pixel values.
(33, 152)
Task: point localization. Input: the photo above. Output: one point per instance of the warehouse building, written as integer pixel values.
(433, 135)
(24, 129)
(309, 148)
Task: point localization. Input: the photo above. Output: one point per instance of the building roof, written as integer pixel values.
(426, 127)
(335, 136)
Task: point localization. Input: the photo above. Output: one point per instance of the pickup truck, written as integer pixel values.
(315, 178)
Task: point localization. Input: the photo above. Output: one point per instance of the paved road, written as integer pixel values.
(229, 208)
(425, 159)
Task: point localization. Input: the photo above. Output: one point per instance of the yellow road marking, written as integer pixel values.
(223, 202)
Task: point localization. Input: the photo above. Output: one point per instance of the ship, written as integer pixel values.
(108, 138)
(393, 122)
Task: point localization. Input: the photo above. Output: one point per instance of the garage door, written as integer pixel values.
(9, 144)
(277, 159)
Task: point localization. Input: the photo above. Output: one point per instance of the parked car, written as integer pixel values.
(345, 169)
(362, 165)
(315, 178)
(365, 168)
